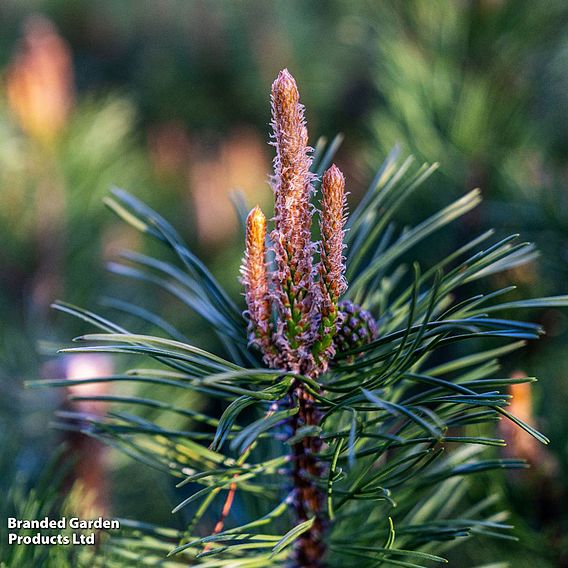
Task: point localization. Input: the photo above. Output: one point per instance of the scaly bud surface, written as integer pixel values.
(357, 327)
(255, 281)
(331, 268)
(292, 184)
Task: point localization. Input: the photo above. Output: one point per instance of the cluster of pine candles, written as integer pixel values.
(303, 296)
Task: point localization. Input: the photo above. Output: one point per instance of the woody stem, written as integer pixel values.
(308, 497)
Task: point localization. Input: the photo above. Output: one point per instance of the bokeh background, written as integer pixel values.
(169, 100)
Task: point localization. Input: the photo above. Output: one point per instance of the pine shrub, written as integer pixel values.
(358, 389)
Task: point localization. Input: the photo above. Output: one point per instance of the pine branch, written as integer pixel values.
(343, 408)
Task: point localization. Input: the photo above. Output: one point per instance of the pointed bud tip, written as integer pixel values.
(284, 87)
(284, 77)
(256, 215)
(256, 223)
(333, 179)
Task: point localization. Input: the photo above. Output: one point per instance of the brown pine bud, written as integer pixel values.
(256, 284)
(292, 183)
(331, 268)
(332, 221)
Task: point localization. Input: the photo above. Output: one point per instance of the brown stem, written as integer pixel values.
(224, 512)
(309, 548)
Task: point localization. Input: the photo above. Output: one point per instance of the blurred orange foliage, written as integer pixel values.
(40, 81)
